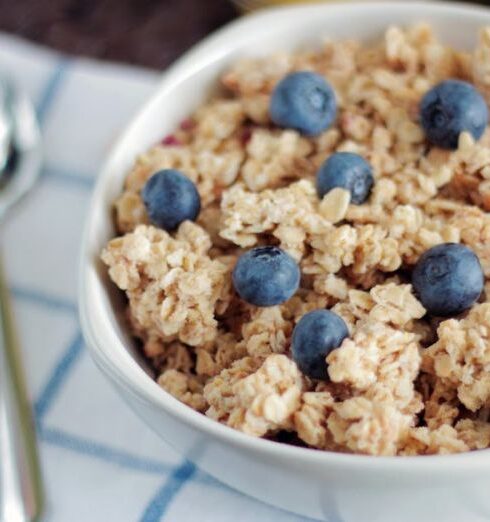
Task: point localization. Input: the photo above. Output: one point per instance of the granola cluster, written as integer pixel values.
(401, 383)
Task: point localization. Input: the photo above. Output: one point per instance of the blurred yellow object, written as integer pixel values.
(250, 5)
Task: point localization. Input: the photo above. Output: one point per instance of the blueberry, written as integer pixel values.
(346, 170)
(266, 276)
(170, 198)
(303, 101)
(448, 279)
(314, 337)
(449, 108)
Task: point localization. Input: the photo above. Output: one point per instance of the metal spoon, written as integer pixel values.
(21, 497)
(6, 124)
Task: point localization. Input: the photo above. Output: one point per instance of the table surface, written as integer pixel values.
(150, 33)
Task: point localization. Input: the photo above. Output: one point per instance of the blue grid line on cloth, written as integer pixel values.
(58, 376)
(88, 447)
(125, 459)
(51, 89)
(159, 504)
(42, 299)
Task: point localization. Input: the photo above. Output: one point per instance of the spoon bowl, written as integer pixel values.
(20, 146)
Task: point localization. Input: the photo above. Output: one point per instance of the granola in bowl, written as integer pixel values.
(400, 380)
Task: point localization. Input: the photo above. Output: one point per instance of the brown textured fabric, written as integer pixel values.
(147, 32)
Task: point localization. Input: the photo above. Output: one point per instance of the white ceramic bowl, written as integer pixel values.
(329, 486)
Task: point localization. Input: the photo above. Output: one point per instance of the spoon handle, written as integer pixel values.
(21, 496)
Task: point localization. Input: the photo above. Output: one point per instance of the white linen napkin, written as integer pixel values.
(100, 462)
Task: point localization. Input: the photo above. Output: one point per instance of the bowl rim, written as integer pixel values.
(125, 372)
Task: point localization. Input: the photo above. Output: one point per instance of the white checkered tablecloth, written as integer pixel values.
(100, 463)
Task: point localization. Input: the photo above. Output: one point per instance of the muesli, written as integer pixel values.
(367, 248)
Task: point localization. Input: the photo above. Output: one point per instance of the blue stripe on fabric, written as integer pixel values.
(58, 377)
(207, 480)
(51, 89)
(91, 448)
(40, 298)
(70, 178)
(160, 503)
